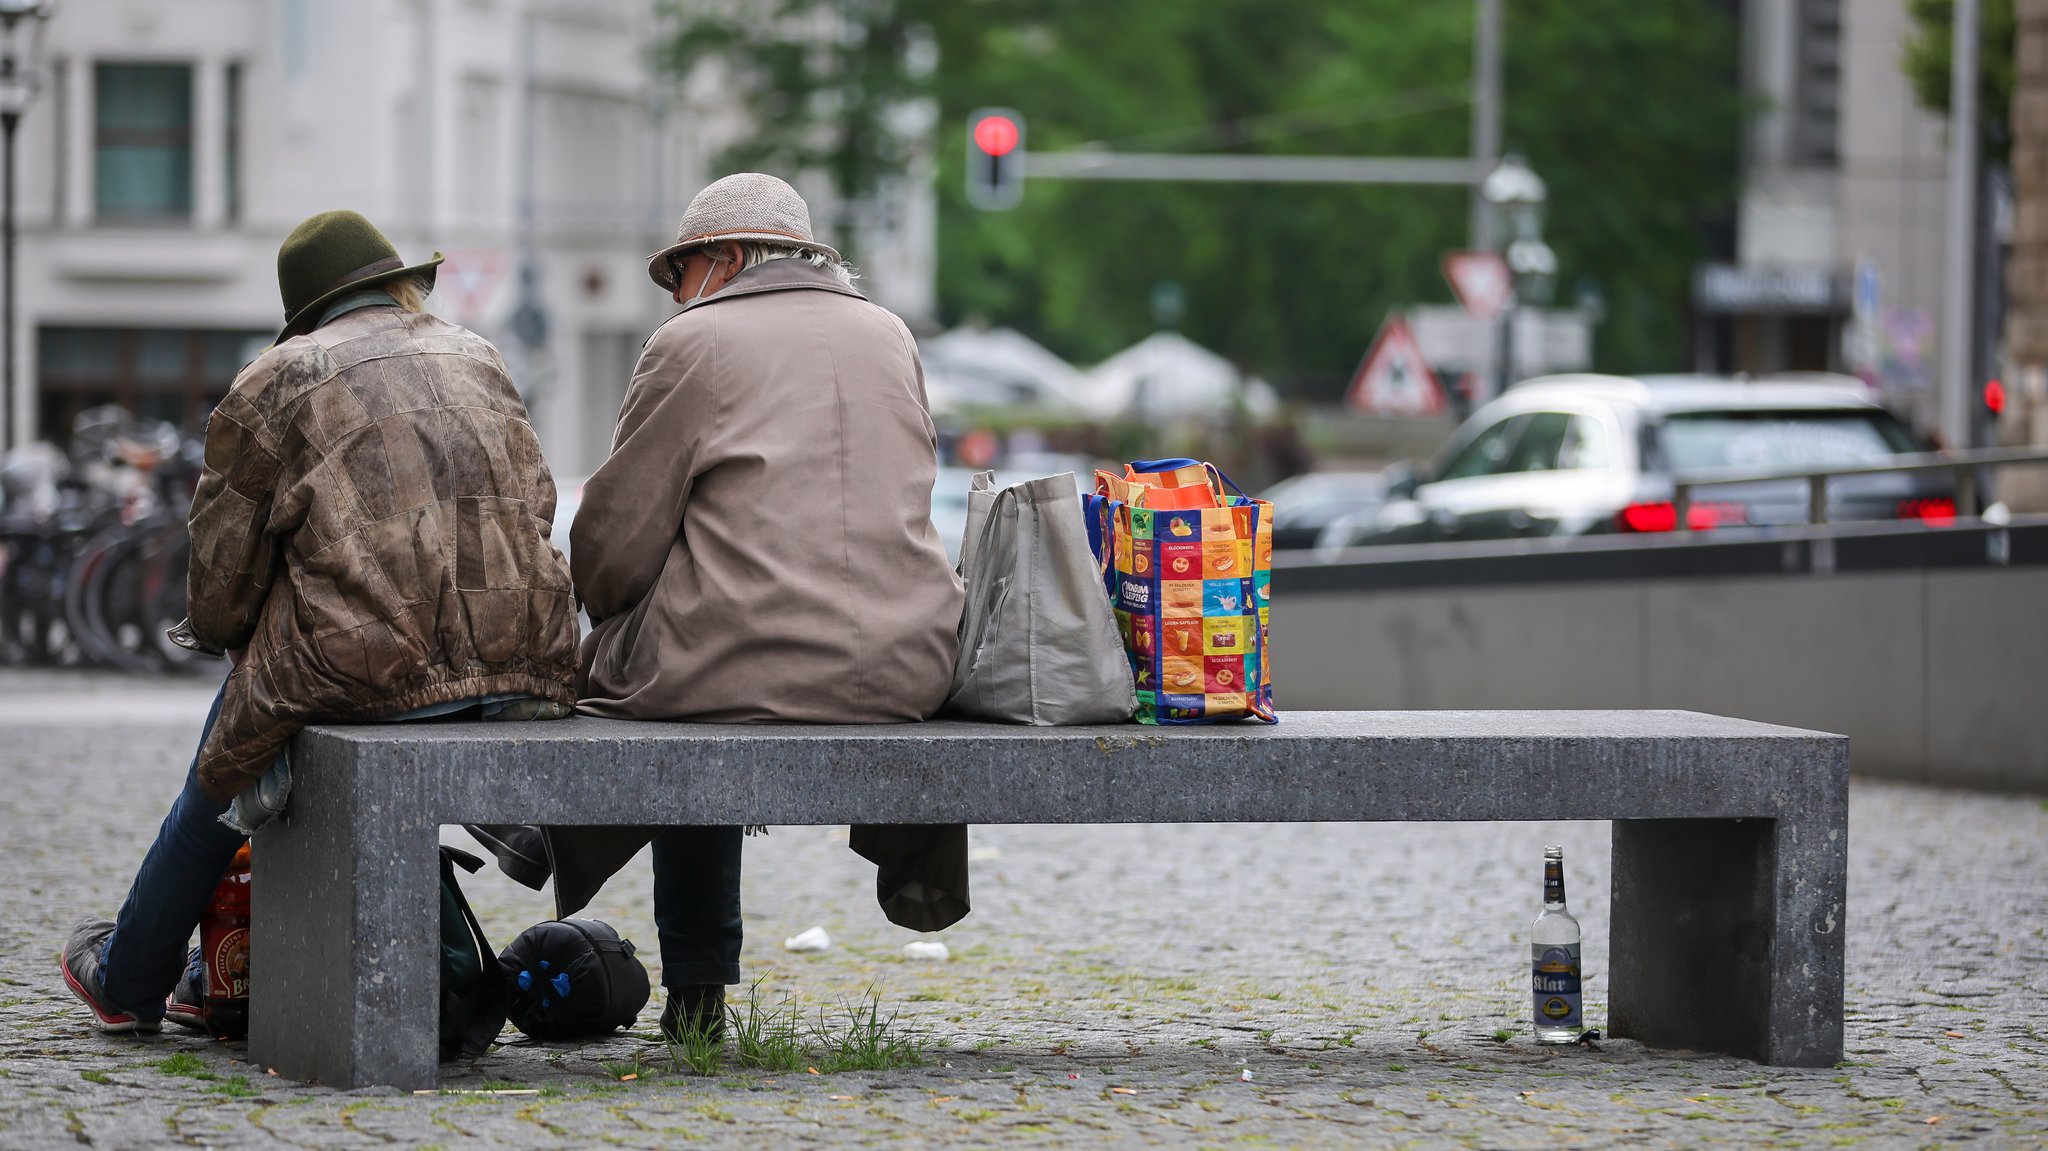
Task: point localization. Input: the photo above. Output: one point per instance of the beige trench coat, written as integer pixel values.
(759, 548)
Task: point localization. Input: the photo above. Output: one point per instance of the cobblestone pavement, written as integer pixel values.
(1111, 987)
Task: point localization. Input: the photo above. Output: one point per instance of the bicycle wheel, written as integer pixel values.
(169, 555)
(14, 553)
(115, 609)
(90, 559)
(52, 638)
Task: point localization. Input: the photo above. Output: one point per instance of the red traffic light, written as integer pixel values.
(996, 135)
(995, 158)
(1994, 396)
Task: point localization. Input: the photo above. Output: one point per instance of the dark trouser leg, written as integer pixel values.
(146, 954)
(697, 904)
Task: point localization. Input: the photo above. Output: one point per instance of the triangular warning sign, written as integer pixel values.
(469, 281)
(1481, 282)
(1394, 379)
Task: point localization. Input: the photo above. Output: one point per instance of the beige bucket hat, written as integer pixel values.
(742, 206)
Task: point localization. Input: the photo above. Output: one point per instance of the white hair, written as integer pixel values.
(754, 253)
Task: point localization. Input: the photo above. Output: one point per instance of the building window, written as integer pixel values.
(477, 174)
(172, 374)
(1817, 91)
(231, 145)
(142, 142)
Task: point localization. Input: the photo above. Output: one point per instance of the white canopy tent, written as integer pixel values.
(970, 367)
(1167, 376)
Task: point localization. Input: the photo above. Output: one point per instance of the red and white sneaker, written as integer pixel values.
(80, 960)
(187, 1005)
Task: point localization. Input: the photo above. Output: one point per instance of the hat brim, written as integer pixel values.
(302, 321)
(657, 264)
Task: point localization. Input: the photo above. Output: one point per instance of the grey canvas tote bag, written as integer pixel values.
(1038, 642)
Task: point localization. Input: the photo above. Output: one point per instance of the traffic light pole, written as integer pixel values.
(1485, 116)
(1086, 165)
(1958, 382)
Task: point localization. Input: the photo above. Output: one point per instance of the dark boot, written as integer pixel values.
(521, 850)
(699, 1007)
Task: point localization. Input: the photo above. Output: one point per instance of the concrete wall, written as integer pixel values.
(1934, 674)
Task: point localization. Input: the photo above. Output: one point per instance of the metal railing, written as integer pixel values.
(1963, 464)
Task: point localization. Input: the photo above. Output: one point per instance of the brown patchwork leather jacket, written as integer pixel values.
(372, 527)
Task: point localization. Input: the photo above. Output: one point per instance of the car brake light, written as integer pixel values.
(1663, 517)
(1938, 510)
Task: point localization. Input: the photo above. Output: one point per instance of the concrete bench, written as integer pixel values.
(1730, 839)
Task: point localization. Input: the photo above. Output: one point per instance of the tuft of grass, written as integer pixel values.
(696, 1049)
(234, 1085)
(620, 1069)
(1397, 1067)
(184, 1063)
(767, 1038)
(99, 1077)
(1502, 1034)
(782, 1036)
(867, 1040)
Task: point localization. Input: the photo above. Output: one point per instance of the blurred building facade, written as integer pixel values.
(174, 145)
(1838, 252)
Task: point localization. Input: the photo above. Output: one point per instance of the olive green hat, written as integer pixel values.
(330, 254)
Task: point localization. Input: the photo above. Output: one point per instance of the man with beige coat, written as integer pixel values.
(759, 548)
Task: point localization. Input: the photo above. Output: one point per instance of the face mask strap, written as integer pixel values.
(707, 277)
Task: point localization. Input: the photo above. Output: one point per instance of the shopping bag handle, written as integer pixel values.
(1178, 462)
(1091, 512)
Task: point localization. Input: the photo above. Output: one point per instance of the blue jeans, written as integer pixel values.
(146, 954)
(697, 905)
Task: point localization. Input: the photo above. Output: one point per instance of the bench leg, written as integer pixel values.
(345, 933)
(1727, 935)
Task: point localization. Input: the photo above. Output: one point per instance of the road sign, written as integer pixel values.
(1868, 293)
(1482, 282)
(1394, 379)
(468, 280)
(1546, 340)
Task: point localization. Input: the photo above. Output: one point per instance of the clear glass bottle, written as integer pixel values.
(1554, 959)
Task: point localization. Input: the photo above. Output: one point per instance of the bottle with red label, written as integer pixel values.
(224, 947)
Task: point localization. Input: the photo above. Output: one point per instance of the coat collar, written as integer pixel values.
(777, 276)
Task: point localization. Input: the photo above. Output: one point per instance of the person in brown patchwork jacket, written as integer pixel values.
(369, 543)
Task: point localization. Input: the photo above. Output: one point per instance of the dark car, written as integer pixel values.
(1582, 454)
(1304, 505)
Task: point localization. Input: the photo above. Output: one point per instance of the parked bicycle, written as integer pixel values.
(93, 547)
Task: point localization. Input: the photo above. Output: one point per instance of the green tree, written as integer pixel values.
(1926, 63)
(1630, 111)
(1633, 114)
(827, 83)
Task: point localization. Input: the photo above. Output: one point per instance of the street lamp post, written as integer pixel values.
(21, 46)
(1516, 196)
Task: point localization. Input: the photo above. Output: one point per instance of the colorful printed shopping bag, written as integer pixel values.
(1188, 564)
